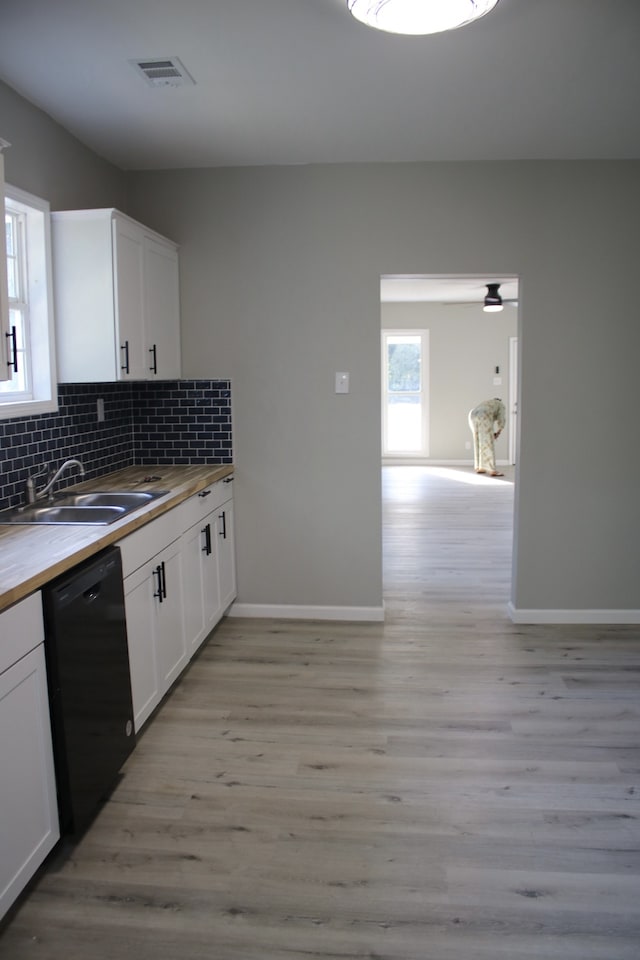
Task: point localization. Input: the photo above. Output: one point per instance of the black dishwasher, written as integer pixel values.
(89, 685)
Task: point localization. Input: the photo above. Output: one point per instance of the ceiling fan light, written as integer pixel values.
(493, 300)
(418, 17)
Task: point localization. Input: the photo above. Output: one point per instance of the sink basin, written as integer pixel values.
(82, 515)
(93, 509)
(127, 499)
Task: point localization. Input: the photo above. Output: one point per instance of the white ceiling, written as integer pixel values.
(411, 289)
(300, 81)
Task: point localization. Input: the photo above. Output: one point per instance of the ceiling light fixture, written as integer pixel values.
(418, 17)
(493, 300)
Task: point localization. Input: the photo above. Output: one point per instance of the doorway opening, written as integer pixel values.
(442, 354)
(469, 355)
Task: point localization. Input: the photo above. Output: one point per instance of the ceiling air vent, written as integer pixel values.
(164, 72)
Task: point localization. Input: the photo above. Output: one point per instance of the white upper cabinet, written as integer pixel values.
(162, 308)
(117, 299)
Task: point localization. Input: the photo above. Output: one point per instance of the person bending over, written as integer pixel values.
(487, 423)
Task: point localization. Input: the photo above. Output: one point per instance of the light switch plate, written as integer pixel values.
(342, 382)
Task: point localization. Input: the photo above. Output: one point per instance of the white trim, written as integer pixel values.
(573, 616)
(513, 399)
(41, 346)
(275, 611)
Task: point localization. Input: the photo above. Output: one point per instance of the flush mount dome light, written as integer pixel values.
(493, 300)
(418, 17)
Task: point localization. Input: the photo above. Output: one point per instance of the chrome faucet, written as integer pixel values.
(33, 494)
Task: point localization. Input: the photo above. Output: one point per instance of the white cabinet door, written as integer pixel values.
(29, 825)
(201, 588)
(172, 650)
(192, 587)
(129, 285)
(226, 555)
(141, 637)
(155, 630)
(87, 341)
(210, 576)
(162, 310)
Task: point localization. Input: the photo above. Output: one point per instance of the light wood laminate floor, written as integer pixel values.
(443, 786)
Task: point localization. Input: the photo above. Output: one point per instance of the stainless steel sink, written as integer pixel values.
(127, 499)
(93, 509)
(82, 515)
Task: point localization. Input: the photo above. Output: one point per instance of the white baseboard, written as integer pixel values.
(275, 611)
(573, 616)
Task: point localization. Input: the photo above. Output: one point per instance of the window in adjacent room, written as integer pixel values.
(405, 415)
(32, 388)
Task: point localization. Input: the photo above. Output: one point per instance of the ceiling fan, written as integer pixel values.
(492, 302)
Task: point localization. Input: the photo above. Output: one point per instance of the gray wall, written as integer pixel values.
(280, 288)
(465, 347)
(280, 273)
(46, 161)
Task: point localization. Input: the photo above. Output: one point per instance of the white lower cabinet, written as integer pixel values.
(29, 825)
(179, 579)
(208, 560)
(154, 609)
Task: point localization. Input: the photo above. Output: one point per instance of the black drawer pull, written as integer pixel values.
(207, 539)
(158, 573)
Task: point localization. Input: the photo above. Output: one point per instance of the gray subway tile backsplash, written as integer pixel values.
(167, 422)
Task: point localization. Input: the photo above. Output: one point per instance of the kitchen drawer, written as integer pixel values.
(21, 630)
(144, 543)
(200, 504)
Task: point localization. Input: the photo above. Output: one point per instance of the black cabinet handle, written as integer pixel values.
(14, 349)
(125, 365)
(207, 540)
(223, 532)
(164, 580)
(158, 573)
(154, 365)
(204, 493)
(228, 480)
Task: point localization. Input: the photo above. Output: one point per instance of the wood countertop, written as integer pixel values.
(33, 554)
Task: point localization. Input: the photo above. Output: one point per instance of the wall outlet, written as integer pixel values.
(467, 444)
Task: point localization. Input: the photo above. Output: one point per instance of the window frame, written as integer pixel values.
(37, 271)
(422, 393)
